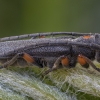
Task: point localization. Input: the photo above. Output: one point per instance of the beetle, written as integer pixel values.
(51, 52)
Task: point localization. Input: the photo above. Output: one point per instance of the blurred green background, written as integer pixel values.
(29, 16)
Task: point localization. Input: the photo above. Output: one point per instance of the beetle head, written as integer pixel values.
(97, 38)
(97, 41)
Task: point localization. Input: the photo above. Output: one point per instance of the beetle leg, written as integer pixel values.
(28, 58)
(25, 56)
(83, 62)
(90, 62)
(10, 61)
(62, 59)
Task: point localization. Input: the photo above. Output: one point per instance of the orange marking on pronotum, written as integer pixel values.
(65, 61)
(86, 36)
(28, 58)
(81, 60)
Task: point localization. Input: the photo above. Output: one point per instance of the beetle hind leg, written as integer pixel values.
(25, 56)
(10, 62)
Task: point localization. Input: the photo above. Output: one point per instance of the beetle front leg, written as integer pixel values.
(88, 61)
(25, 56)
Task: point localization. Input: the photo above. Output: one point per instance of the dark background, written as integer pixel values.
(29, 16)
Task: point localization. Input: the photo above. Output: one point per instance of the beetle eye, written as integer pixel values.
(97, 56)
(97, 38)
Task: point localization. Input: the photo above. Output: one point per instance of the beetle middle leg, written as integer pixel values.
(61, 60)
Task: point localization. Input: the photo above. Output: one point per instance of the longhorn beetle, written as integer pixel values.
(52, 52)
